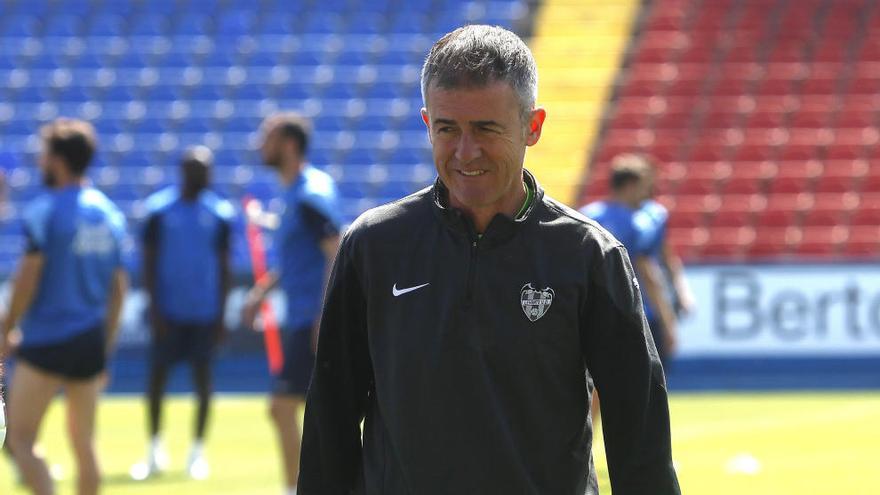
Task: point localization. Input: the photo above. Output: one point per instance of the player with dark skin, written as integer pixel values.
(196, 172)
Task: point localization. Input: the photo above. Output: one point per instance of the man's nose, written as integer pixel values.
(467, 148)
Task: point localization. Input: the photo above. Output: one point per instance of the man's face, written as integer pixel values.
(479, 141)
(272, 148)
(645, 188)
(48, 164)
(196, 175)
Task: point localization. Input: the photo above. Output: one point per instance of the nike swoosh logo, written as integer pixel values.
(399, 292)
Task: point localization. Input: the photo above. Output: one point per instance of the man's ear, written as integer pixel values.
(426, 121)
(536, 123)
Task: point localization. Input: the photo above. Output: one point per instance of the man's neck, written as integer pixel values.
(626, 201)
(482, 216)
(66, 181)
(290, 171)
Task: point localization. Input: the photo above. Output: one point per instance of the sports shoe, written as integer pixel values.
(197, 467)
(154, 465)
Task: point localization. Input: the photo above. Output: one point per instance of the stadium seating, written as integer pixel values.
(771, 100)
(155, 76)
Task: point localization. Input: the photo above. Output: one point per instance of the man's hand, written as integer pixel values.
(158, 324)
(9, 342)
(670, 338)
(251, 308)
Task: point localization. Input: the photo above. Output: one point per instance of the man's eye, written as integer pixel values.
(444, 129)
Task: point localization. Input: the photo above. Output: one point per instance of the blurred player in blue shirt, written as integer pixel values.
(307, 240)
(186, 268)
(640, 233)
(680, 294)
(67, 294)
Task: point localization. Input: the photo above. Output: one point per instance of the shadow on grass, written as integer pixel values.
(163, 479)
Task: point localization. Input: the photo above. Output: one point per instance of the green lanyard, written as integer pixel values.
(530, 195)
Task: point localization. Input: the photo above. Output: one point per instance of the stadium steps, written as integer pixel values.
(578, 45)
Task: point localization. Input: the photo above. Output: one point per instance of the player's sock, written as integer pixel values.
(290, 491)
(157, 458)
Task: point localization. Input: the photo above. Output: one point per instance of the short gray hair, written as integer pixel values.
(477, 55)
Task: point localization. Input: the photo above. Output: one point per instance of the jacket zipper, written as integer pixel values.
(472, 268)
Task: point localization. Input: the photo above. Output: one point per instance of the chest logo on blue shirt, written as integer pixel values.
(535, 303)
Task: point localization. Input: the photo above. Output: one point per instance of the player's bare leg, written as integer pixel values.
(197, 466)
(29, 396)
(285, 414)
(82, 401)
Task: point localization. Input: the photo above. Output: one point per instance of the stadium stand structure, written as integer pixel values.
(764, 117)
(157, 75)
(578, 46)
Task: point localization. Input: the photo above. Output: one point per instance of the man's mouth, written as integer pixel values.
(471, 173)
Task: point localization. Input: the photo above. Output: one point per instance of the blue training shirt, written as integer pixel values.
(189, 238)
(311, 214)
(659, 217)
(79, 232)
(635, 229)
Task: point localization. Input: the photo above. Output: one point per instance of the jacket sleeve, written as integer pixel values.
(621, 357)
(331, 459)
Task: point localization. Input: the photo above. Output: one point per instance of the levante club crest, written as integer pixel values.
(535, 303)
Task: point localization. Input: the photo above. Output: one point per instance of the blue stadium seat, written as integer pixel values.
(323, 22)
(329, 123)
(340, 91)
(150, 24)
(353, 57)
(64, 25)
(193, 23)
(264, 59)
(308, 57)
(31, 94)
(148, 125)
(20, 26)
(117, 92)
(235, 23)
(279, 23)
(70, 94)
(248, 92)
(367, 23)
(382, 90)
(176, 59)
(33, 7)
(218, 58)
(106, 25)
(161, 92)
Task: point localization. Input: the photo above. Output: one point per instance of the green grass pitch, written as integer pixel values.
(774, 443)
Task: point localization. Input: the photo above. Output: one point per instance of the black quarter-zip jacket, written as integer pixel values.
(468, 359)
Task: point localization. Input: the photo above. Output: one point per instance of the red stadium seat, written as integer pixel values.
(821, 242)
(743, 185)
(863, 241)
(772, 242)
(772, 103)
(728, 242)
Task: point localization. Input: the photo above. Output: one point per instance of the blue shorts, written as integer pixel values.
(296, 373)
(194, 343)
(81, 357)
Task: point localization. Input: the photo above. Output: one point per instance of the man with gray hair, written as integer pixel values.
(461, 323)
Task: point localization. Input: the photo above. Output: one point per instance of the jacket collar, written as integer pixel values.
(500, 229)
